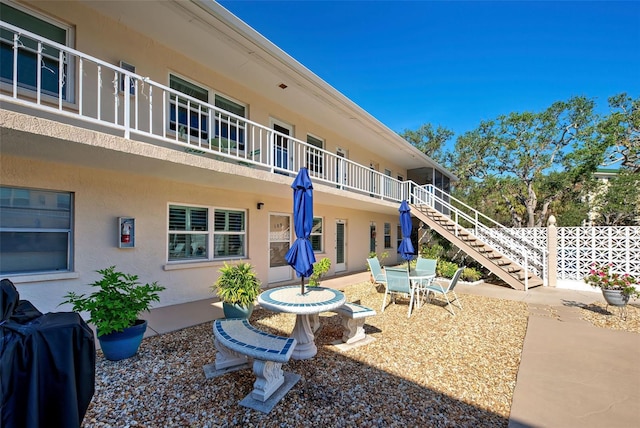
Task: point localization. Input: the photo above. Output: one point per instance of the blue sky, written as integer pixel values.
(457, 63)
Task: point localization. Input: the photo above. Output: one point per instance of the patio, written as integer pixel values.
(428, 370)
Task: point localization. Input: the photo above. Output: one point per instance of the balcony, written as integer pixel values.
(55, 81)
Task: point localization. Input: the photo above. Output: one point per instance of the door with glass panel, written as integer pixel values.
(281, 145)
(341, 246)
(279, 244)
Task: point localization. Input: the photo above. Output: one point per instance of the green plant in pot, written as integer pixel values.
(238, 287)
(115, 309)
(616, 288)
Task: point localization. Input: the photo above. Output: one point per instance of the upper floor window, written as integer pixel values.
(315, 155)
(35, 230)
(31, 67)
(186, 116)
(316, 235)
(229, 130)
(192, 237)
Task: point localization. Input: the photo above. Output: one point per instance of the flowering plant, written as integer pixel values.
(600, 276)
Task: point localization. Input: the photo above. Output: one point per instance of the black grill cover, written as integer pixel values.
(47, 365)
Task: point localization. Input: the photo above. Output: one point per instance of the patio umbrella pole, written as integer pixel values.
(300, 256)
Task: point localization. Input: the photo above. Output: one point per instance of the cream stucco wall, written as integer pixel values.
(112, 42)
(101, 196)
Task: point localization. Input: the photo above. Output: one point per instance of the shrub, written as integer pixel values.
(319, 268)
(446, 269)
(436, 251)
(118, 302)
(470, 275)
(237, 284)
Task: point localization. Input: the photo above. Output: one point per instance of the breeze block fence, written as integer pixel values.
(572, 251)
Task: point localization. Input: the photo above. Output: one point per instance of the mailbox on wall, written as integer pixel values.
(126, 232)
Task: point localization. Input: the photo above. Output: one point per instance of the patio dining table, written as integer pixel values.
(419, 280)
(315, 300)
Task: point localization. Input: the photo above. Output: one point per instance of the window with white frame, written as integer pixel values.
(315, 155)
(229, 130)
(29, 67)
(35, 231)
(387, 235)
(316, 235)
(229, 234)
(187, 116)
(192, 238)
(398, 236)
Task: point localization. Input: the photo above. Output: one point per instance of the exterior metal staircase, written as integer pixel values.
(519, 264)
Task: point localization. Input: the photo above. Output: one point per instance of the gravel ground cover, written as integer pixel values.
(431, 369)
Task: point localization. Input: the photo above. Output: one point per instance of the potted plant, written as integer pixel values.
(319, 269)
(616, 288)
(115, 308)
(237, 286)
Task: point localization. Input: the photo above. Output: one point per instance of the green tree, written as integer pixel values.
(525, 148)
(429, 141)
(617, 203)
(620, 133)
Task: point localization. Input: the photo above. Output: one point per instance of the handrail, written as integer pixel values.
(94, 91)
(140, 108)
(495, 234)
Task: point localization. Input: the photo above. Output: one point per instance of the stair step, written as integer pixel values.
(521, 276)
(535, 283)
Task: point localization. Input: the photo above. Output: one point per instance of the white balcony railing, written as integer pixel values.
(44, 75)
(57, 79)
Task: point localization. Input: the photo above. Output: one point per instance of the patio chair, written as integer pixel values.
(426, 265)
(445, 292)
(397, 281)
(376, 271)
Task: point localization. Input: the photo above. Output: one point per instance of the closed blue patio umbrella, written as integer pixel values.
(405, 249)
(300, 256)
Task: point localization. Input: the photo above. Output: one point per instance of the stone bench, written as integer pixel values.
(353, 318)
(237, 343)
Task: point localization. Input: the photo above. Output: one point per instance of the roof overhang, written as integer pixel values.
(210, 34)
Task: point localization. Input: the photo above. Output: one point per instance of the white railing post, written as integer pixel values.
(39, 75)
(60, 78)
(16, 47)
(526, 271)
(127, 106)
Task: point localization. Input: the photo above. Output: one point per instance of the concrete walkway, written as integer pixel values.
(572, 374)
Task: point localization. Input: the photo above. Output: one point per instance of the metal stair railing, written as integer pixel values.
(530, 257)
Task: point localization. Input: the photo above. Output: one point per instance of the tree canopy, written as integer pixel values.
(520, 167)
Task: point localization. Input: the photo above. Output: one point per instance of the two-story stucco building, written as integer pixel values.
(162, 137)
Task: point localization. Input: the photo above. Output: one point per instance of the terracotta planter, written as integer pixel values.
(615, 297)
